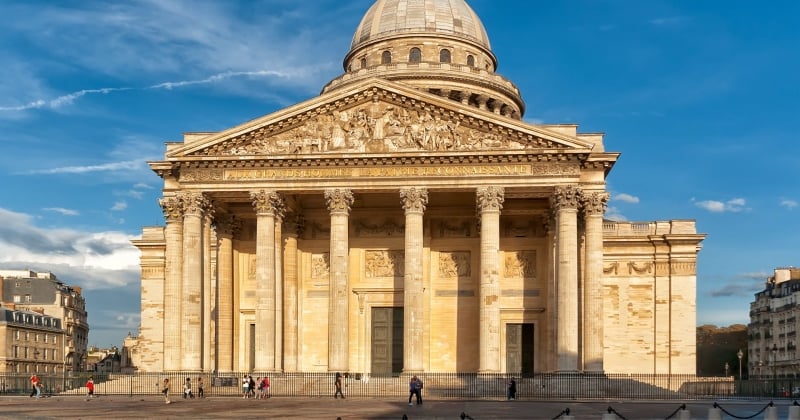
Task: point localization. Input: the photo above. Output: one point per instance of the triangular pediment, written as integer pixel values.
(377, 117)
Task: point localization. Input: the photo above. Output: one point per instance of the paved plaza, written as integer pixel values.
(151, 407)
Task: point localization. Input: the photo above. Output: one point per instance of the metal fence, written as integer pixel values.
(436, 385)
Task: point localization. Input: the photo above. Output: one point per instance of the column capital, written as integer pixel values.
(268, 203)
(595, 203)
(490, 198)
(415, 200)
(565, 198)
(227, 224)
(339, 200)
(194, 203)
(172, 208)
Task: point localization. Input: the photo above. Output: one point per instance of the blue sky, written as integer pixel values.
(701, 97)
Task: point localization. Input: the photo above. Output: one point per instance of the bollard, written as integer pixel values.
(771, 413)
(685, 414)
(794, 412)
(715, 413)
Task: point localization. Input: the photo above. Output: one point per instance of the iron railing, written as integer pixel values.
(437, 385)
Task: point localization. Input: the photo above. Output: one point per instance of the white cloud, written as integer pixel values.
(789, 204)
(613, 213)
(733, 206)
(95, 259)
(65, 212)
(105, 167)
(625, 198)
(119, 206)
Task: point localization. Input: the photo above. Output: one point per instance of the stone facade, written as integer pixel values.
(392, 224)
(773, 327)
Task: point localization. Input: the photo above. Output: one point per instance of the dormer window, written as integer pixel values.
(415, 55)
(444, 56)
(386, 57)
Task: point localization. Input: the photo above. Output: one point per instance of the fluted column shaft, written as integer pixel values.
(290, 332)
(226, 226)
(339, 202)
(489, 203)
(192, 286)
(264, 203)
(208, 290)
(414, 201)
(279, 289)
(173, 277)
(594, 206)
(565, 202)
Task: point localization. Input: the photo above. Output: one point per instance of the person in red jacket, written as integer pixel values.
(90, 387)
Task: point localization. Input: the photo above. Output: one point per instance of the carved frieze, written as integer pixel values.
(640, 268)
(454, 264)
(520, 265)
(389, 227)
(553, 168)
(383, 263)
(376, 127)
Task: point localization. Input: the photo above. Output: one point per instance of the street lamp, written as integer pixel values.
(727, 367)
(774, 370)
(739, 354)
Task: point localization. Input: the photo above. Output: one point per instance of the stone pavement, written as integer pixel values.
(151, 407)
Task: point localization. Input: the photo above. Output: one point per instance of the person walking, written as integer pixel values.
(90, 387)
(337, 384)
(35, 384)
(512, 389)
(245, 387)
(165, 390)
(200, 388)
(187, 389)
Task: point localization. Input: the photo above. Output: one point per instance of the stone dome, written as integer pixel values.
(390, 18)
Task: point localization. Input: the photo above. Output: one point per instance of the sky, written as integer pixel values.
(701, 98)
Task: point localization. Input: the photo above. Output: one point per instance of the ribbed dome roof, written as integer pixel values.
(387, 18)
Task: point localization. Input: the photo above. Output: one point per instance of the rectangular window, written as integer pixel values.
(17, 299)
(36, 337)
(27, 298)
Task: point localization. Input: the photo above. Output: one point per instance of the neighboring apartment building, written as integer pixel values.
(772, 332)
(30, 342)
(43, 292)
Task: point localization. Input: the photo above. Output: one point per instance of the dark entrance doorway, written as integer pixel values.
(387, 341)
(519, 348)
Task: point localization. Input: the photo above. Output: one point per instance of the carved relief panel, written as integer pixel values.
(454, 264)
(520, 264)
(382, 263)
(320, 266)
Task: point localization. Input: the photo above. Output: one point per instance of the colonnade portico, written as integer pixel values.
(276, 337)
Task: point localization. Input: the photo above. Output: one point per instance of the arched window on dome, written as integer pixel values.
(444, 56)
(363, 63)
(386, 57)
(471, 60)
(415, 56)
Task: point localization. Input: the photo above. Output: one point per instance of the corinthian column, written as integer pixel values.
(280, 210)
(489, 203)
(292, 227)
(565, 202)
(265, 204)
(194, 205)
(414, 201)
(173, 267)
(339, 202)
(226, 226)
(594, 206)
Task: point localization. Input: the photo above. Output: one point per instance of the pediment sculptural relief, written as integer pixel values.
(375, 127)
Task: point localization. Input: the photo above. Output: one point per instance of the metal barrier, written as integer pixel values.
(437, 385)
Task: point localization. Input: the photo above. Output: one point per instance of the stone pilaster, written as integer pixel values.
(173, 267)
(339, 202)
(594, 207)
(293, 225)
(191, 327)
(489, 203)
(414, 201)
(565, 201)
(226, 226)
(264, 203)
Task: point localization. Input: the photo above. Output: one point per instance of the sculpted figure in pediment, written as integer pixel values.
(375, 127)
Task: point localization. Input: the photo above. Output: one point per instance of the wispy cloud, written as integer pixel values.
(106, 167)
(669, 20)
(119, 206)
(625, 198)
(789, 204)
(732, 206)
(613, 213)
(65, 212)
(743, 285)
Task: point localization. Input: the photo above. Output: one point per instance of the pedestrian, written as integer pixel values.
(245, 387)
(165, 390)
(512, 389)
(35, 385)
(265, 381)
(90, 387)
(187, 389)
(415, 390)
(200, 388)
(337, 383)
(251, 384)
